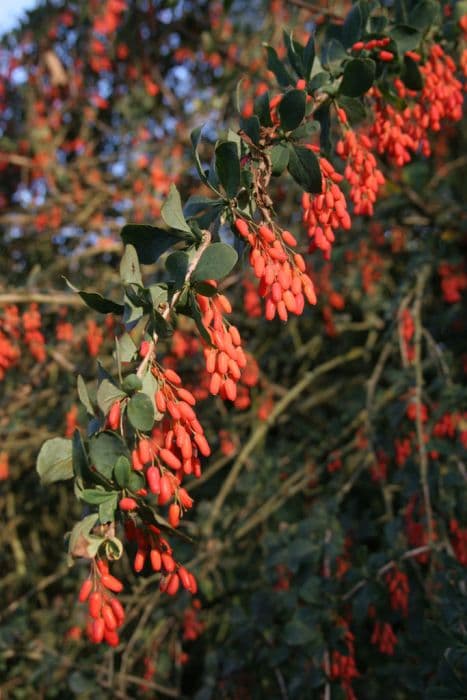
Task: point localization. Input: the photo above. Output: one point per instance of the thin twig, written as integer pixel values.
(422, 279)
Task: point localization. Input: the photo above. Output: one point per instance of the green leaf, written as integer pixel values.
(359, 75)
(79, 456)
(353, 26)
(177, 265)
(135, 481)
(263, 110)
(149, 241)
(97, 301)
(140, 412)
(129, 266)
(84, 395)
(199, 206)
(277, 67)
(96, 496)
(107, 395)
(122, 471)
(311, 591)
(309, 57)
(215, 263)
(149, 387)
(304, 168)
(195, 139)
(297, 633)
(126, 347)
(294, 54)
(335, 55)
(228, 167)
(353, 107)
(159, 295)
(411, 76)
(279, 158)
(425, 14)
(460, 9)
(104, 450)
(292, 109)
(54, 461)
(131, 383)
(251, 127)
(406, 38)
(205, 289)
(305, 131)
(172, 211)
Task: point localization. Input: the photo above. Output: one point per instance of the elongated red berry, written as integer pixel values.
(153, 478)
(98, 628)
(173, 584)
(118, 610)
(174, 515)
(170, 459)
(112, 583)
(168, 562)
(165, 493)
(111, 637)
(109, 618)
(184, 577)
(85, 590)
(127, 504)
(156, 560)
(114, 416)
(140, 558)
(95, 604)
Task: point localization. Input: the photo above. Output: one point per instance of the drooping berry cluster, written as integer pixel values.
(324, 213)
(152, 546)
(284, 282)
(106, 613)
(225, 358)
(398, 586)
(361, 170)
(384, 638)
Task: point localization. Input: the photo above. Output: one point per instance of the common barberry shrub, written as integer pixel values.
(268, 463)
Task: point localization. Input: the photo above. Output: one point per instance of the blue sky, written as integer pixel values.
(11, 11)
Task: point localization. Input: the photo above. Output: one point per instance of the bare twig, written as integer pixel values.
(422, 279)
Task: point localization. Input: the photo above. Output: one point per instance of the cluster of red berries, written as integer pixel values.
(399, 589)
(361, 170)
(193, 627)
(225, 358)
(441, 95)
(389, 132)
(284, 283)
(399, 134)
(453, 281)
(324, 213)
(384, 638)
(343, 666)
(33, 336)
(106, 613)
(377, 47)
(155, 548)
(416, 532)
(458, 541)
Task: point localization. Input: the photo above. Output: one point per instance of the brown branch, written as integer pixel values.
(53, 298)
(422, 279)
